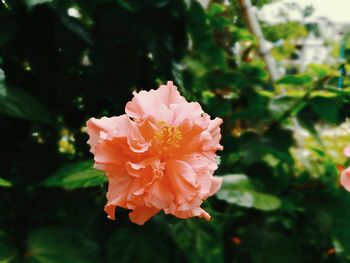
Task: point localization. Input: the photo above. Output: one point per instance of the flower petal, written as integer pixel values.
(109, 152)
(187, 110)
(208, 184)
(191, 140)
(154, 103)
(141, 214)
(160, 155)
(159, 194)
(191, 209)
(169, 94)
(213, 144)
(215, 185)
(136, 141)
(182, 180)
(345, 179)
(197, 212)
(118, 190)
(110, 210)
(98, 127)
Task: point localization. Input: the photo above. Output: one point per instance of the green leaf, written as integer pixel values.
(326, 108)
(285, 31)
(2, 75)
(76, 28)
(131, 5)
(295, 79)
(254, 72)
(280, 155)
(4, 183)
(340, 214)
(285, 104)
(280, 104)
(320, 70)
(7, 254)
(136, 244)
(344, 92)
(57, 245)
(234, 190)
(8, 28)
(265, 202)
(78, 175)
(242, 34)
(323, 93)
(159, 3)
(237, 189)
(199, 240)
(203, 39)
(31, 3)
(215, 9)
(19, 104)
(270, 246)
(216, 20)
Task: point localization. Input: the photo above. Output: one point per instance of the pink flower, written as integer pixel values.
(160, 155)
(345, 173)
(345, 178)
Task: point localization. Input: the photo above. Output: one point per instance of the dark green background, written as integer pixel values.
(51, 201)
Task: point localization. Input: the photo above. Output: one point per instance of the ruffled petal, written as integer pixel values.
(208, 184)
(141, 214)
(215, 185)
(109, 152)
(110, 210)
(159, 194)
(182, 179)
(187, 110)
(168, 94)
(118, 190)
(99, 128)
(188, 210)
(191, 140)
(136, 141)
(154, 103)
(148, 168)
(197, 212)
(160, 155)
(213, 144)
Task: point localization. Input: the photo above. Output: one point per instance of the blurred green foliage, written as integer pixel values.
(64, 61)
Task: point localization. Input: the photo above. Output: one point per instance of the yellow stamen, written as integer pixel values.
(166, 137)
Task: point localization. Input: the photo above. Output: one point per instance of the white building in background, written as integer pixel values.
(316, 48)
(314, 51)
(318, 45)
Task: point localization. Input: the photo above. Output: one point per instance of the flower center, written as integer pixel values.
(166, 137)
